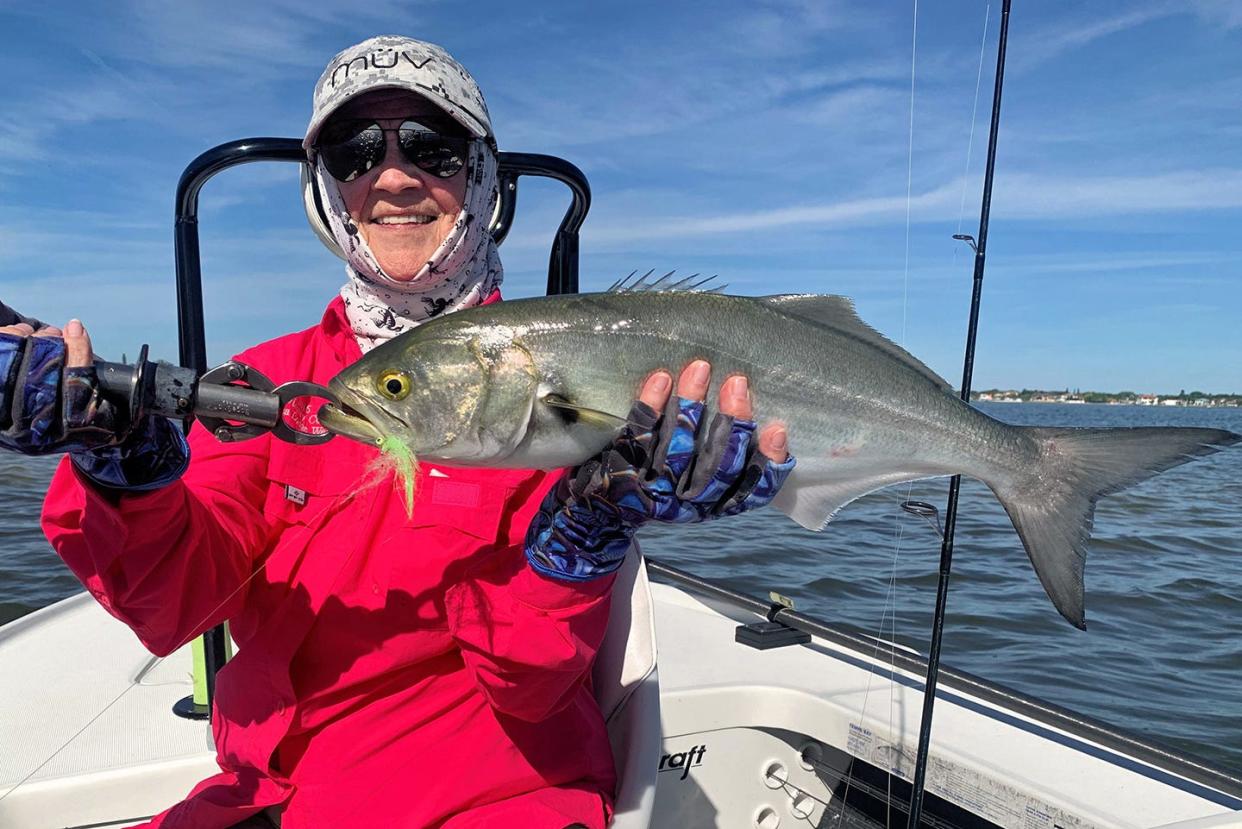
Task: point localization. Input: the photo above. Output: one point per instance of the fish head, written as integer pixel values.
(449, 391)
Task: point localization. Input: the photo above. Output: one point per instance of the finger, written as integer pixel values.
(735, 397)
(774, 442)
(722, 457)
(49, 331)
(760, 484)
(19, 330)
(656, 389)
(694, 379)
(77, 344)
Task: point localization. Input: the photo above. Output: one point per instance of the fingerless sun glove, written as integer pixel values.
(46, 407)
(658, 469)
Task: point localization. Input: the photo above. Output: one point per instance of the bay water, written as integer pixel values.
(1162, 653)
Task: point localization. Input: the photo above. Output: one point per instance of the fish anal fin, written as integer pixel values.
(837, 313)
(591, 417)
(816, 490)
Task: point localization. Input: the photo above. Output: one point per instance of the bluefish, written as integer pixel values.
(545, 383)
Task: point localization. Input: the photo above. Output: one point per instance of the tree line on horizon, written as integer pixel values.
(1027, 395)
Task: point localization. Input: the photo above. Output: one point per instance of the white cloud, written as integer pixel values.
(1046, 43)
(832, 214)
(251, 41)
(1226, 13)
(1033, 196)
(1016, 196)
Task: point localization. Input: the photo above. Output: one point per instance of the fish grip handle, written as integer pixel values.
(233, 401)
(234, 412)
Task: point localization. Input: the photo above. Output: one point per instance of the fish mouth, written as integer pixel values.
(354, 417)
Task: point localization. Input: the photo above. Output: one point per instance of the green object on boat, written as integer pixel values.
(198, 651)
(200, 671)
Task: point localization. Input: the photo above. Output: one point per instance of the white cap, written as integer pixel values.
(395, 62)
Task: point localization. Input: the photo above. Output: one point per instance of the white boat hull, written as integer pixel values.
(749, 737)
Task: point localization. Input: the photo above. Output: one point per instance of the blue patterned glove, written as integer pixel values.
(46, 407)
(658, 469)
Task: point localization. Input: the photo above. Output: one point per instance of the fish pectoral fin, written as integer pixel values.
(591, 417)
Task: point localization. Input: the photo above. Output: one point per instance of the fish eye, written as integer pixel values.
(394, 385)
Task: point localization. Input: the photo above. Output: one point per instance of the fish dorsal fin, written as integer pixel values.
(694, 283)
(837, 312)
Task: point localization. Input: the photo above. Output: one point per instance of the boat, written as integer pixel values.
(724, 710)
(719, 717)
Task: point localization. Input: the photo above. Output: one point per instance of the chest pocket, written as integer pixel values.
(473, 502)
(305, 480)
(461, 519)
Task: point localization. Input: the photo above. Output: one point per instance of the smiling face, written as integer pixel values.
(403, 213)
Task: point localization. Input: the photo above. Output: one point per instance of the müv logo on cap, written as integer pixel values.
(395, 62)
(379, 59)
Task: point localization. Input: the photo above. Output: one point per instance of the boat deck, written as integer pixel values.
(90, 736)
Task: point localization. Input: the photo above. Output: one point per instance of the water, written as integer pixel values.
(1161, 655)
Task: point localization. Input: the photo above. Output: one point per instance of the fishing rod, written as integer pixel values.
(979, 245)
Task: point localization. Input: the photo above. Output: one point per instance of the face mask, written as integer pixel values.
(463, 271)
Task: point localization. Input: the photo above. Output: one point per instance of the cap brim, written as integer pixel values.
(455, 115)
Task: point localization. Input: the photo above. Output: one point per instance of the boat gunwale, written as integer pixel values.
(1131, 747)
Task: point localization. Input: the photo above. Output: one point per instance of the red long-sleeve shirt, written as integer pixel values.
(391, 671)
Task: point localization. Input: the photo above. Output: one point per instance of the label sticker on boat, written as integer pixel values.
(683, 760)
(990, 798)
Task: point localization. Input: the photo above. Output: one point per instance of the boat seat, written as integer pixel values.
(628, 690)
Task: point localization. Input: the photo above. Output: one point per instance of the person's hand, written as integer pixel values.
(49, 396)
(50, 402)
(691, 475)
(662, 467)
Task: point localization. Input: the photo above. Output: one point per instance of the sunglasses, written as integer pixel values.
(350, 148)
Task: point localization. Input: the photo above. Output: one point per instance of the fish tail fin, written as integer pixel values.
(1052, 503)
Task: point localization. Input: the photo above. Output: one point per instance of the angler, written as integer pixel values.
(376, 648)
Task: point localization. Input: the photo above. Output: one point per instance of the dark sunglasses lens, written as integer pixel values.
(437, 154)
(349, 152)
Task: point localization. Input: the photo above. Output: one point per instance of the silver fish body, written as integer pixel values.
(546, 383)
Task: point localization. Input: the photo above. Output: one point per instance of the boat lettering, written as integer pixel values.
(684, 760)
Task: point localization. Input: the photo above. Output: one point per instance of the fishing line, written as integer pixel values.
(974, 113)
(905, 281)
(889, 599)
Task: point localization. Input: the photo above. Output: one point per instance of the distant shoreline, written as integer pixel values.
(1195, 399)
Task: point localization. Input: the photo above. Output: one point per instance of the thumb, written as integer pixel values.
(774, 442)
(77, 344)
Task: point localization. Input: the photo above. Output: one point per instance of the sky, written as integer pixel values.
(774, 144)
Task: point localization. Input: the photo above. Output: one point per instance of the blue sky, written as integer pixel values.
(766, 142)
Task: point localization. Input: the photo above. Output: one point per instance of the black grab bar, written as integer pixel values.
(191, 331)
